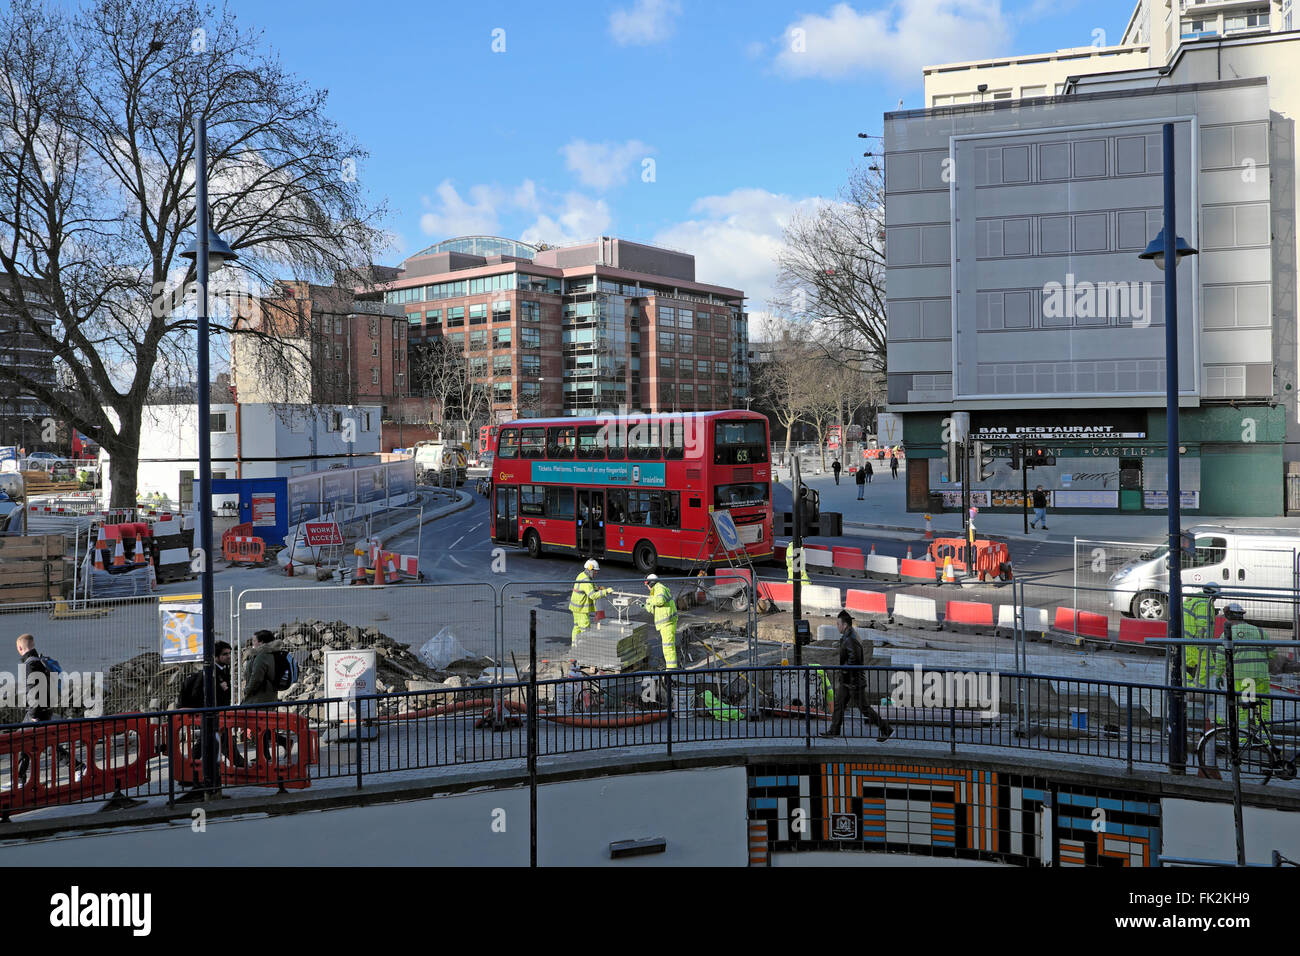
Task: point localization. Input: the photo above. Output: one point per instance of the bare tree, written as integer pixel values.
(783, 379)
(441, 371)
(97, 197)
(832, 270)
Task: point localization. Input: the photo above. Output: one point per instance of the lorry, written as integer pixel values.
(436, 457)
(1261, 561)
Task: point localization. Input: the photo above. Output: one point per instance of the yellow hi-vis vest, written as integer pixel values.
(1248, 663)
(1197, 625)
(583, 598)
(662, 603)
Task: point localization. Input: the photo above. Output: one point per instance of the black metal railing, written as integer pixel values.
(1112, 725)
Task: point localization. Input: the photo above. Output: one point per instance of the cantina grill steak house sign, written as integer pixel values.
(1061, 426)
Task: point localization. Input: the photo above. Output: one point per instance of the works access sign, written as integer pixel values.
(322, 534)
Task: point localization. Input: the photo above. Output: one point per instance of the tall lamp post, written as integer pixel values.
(1166, 250)
(209, 252)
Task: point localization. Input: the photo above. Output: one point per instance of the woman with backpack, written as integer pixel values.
(261, 671)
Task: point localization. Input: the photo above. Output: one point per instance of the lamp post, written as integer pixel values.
(209, 253)
(1165, 250)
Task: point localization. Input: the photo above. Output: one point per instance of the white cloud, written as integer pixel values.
(898, 39)
(646, 22)
(579, 217)
(736, 239)
(455, 216)
(602, 165)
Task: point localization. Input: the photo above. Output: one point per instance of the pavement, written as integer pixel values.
(884, 508)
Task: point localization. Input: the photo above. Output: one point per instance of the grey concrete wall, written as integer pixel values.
(701, 814)
(1204, 831)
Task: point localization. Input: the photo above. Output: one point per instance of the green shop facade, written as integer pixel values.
(1109, 461)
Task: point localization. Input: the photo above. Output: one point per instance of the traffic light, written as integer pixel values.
(1015, 457)
(983, 461)
(1036, 457)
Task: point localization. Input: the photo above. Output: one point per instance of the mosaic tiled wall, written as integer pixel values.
(975, 814)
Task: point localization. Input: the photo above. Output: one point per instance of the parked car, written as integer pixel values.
(1247, 558)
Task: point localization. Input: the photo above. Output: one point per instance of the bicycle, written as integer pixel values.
(1259, 755)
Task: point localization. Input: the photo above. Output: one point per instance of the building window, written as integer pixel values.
(217, 422)
(455, 316)
(530, 311)
(530, 338)
(478, 314)
(502, 393)
(665, 365)
(477, 341)
(501, 365)
(667, 317)
(374, 376)
(501, 311)
(501, 338)
(685, 342)
(667, 341)
(413, 318)
(338, 326)
(401, 380)
(530, 366)
(374, 349)
(433, 317)
(477, 368)
(335, 422)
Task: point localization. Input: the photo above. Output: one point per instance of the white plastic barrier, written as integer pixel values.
(822, 598)
(827, 632)
(816, 558)
(881, 567)
(916, 611)
(1036, 620)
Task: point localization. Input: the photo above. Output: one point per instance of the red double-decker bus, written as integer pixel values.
(633, 487)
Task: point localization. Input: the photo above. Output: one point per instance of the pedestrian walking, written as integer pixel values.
(893, 465)
(191, 697)
(835, 467)
(40, 687)
(850, 685)
(861, 479)
(1040, 508)
(868, 469)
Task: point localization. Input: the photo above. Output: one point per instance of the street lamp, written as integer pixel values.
(1168, 246)
(209, 253)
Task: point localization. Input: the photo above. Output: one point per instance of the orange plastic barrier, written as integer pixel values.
(776, 593)
(1135, 631)
(865, 602)
(916, 570)
(257, 727)
(955, 548)
(743, 574)
(115, 751)
(970, 613)
(1083, 623)
(849, 561)
(243, 549)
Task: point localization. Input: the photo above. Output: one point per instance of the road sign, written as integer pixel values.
(322, 534)
(727, 532)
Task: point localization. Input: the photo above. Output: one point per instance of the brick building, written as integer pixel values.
(579, 329)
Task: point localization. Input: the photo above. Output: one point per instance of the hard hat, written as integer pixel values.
(651, 578)
(1234, 612)
(1211, 589)
(591, 565)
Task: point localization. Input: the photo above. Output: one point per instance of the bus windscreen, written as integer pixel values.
(739, 443)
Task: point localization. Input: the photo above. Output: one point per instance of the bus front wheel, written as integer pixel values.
(645, 557)
(534, 543)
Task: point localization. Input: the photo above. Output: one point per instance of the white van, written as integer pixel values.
(1247, 558)
(435, 456)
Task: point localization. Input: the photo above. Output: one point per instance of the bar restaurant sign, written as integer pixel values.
(1093, 426)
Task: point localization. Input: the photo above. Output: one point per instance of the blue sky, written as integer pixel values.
(549, 138)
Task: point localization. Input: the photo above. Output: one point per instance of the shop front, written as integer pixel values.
(1111, 461)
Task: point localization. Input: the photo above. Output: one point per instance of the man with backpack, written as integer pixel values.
(191, 697)
(270, 670)
(41, 686)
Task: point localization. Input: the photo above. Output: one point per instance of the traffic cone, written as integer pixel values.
(873, 549)
(948, 576)
(139, 557)
(288, 568)
(119, 555)
(909, 552)
(391, 577)
(359, 575)
(100, 547)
